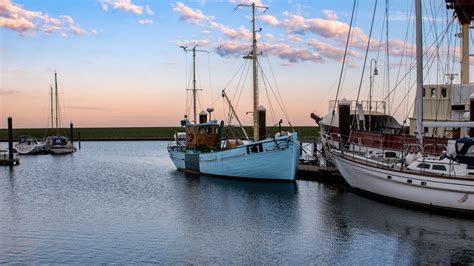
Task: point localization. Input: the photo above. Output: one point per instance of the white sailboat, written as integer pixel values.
(57, 144)
(410, 175)
(207, 151)
(29, 145)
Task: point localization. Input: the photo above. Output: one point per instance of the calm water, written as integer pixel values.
(123, 202)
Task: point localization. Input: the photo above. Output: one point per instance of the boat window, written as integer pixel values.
(458, 107)
(423, 165)
(439, 167)
(390, 154)
(426, 130)
(209, 130)
(470, 151)
(59, 142)
(433, 92)
(424, 92)
(459, 146)
(444, 92)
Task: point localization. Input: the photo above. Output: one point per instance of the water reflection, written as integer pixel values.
(123, 202)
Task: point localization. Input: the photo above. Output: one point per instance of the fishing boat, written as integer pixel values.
(207, 150)
(413, 174)
(29, 145)
(57, 144)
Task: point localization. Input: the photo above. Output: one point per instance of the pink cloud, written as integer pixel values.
(329, 14)
(269, 20)
(188, 14)
(27, 22)
(125, 5)
(329, 51)
(201, 42)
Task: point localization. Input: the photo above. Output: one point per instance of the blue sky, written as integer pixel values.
(114, 71)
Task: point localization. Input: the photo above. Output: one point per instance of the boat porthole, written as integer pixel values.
(423, 183)
(409, 181)
(389, 177)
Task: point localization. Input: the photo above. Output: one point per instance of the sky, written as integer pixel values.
(119, 62)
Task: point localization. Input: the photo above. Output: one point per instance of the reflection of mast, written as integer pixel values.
(253, 56)
(465, 11)
(194, 79)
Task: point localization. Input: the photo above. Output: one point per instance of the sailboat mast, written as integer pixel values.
(52, 116)
(419, 73)
(194, 85)
(465, 53)
(255, 77)
(56, 97)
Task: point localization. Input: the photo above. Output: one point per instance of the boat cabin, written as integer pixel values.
(465, 151)
(203, 136)
(27, 139)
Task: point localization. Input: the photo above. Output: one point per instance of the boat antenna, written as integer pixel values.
(253, 56)
(194, 50)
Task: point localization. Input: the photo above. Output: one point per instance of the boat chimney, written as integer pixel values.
(344, 119)
(202, 117)
(471, 107)
(261, 121)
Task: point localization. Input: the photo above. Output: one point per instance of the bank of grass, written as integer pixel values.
(138, 133)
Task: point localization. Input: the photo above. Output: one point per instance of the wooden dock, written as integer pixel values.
(319, 173)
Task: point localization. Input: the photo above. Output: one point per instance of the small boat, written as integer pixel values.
(57, 144)
(29, 145)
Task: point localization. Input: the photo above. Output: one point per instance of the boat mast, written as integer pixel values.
(185, 49)
(52, 116)
(57, 104)
(419, 73)
(256, 136)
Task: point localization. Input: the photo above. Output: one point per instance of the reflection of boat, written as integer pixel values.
(57, 144)
(416, 237)
(209, 151)
(410, 174)
(29, 145)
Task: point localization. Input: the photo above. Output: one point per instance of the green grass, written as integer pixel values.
(137, 133)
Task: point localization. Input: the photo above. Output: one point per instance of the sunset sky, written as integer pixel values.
(119, 61)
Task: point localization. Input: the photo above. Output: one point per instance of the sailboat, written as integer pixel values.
(208, 151)
(411, 174)
(29, 145)
(57, 144)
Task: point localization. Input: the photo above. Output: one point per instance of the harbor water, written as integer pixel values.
(123, 202)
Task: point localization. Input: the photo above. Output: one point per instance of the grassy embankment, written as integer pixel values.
(137, 133)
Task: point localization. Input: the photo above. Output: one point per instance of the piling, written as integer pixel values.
(10, 139)
(79, 139)
(262, 123)
(71, 132)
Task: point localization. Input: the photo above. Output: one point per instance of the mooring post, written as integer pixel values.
(10, 139)
(71, 132)
(79, 139)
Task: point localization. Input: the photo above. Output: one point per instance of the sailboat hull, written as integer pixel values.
(453, 194)
(277, 159)
(29, 149)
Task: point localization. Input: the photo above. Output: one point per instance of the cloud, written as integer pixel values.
(125, 5)
(329, 51)
(188, 14)
(27, 22)
(280, 50)
(149, 11)
(294, 38)
(329, 14)
(248, 2)
(202, 42)
(145, 21)
(269, 20)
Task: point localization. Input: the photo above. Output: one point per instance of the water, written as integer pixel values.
(123, 202)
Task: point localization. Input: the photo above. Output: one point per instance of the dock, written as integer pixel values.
(4, 160)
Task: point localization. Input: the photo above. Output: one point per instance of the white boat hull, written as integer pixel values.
(61, 150)
(439, 192)
(277, 161)
(24, 148)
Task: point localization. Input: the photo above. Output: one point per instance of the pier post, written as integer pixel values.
(10, 139)
(471, 116)
(79, 139)
(71, 132)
